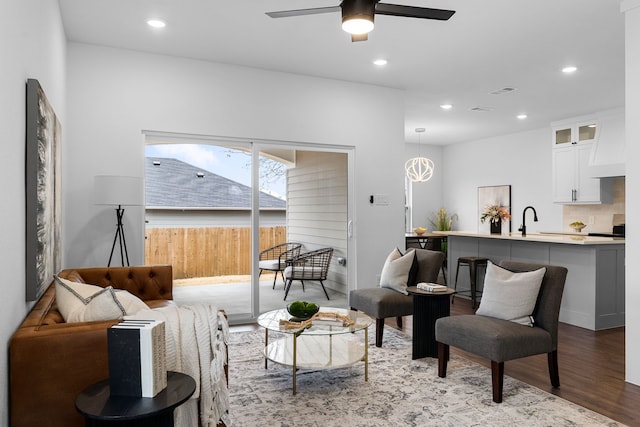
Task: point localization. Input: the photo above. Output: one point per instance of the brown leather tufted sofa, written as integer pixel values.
(51, 361)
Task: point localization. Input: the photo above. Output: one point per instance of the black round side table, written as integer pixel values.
(101, 409)
(427, 308)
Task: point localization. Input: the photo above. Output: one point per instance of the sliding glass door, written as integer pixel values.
(213, 205)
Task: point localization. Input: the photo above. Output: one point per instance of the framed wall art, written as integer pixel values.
(493, 199)
(43, 192)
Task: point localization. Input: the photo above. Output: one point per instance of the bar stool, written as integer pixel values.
(473, 263)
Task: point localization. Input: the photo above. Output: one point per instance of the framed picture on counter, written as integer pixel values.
(494, 200)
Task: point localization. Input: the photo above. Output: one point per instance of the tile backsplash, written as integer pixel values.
(604, 216)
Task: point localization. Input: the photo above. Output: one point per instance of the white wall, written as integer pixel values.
(632, 109)
(522, 160)
(114, 94)
(33, 46)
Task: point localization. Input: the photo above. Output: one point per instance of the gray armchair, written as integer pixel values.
(274, 258)
(384, 302)
(502, 340)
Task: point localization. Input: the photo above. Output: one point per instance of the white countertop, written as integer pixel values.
(570, 239)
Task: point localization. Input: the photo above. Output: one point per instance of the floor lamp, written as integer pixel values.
(118, 191)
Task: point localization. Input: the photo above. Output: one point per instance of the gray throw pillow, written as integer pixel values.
(510, 296)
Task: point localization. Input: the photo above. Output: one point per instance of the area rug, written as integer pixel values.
(400, 392)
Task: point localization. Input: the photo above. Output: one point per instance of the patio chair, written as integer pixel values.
(312, 265)
(274, 258)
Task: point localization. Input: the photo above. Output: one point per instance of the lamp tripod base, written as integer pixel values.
(119, 237)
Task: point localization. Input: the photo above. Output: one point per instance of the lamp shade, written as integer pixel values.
(118, 190)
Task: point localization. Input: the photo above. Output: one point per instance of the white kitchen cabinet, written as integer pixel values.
(583, 132)
(572, 182)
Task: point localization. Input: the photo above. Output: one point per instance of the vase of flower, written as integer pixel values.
(496, 215)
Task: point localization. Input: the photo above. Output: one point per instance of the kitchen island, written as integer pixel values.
(594, 291)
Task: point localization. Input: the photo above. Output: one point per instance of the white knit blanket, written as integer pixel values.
(196, 338)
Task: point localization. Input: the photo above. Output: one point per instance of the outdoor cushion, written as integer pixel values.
(301, 273)
(269, 264)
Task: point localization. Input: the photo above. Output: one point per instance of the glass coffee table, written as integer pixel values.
(322, 345)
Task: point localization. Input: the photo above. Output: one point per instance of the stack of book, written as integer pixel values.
(137, 358)
(431, 287)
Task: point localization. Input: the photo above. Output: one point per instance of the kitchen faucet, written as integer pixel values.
(523, 227)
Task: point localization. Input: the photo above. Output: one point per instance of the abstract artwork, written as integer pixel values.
(43, 187)
(499, 195)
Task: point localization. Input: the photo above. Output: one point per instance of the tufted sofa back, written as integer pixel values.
(152, 282)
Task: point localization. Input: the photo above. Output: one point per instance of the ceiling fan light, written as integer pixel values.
(357, 25)
(357, 16)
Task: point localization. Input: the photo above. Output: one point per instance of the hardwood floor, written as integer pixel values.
(591, 367)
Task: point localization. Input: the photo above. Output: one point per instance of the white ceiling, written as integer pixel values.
(485, 46)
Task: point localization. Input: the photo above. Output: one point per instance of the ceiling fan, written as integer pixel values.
(357, 15)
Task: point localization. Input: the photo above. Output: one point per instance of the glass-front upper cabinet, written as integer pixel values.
(575, 134)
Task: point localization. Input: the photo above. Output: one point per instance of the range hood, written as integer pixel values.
(608, 152)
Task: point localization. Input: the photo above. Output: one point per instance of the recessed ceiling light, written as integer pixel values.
(155, 23)
(569, 70)
(521, 116)
(446, 106)
(380, 62)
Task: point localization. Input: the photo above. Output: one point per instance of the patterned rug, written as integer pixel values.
(400, 392)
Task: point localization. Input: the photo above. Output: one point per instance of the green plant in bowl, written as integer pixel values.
(302, 309)
(577, 226)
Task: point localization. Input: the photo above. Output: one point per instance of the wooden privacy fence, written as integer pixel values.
(207, 252)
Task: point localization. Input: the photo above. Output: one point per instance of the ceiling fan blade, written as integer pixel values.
(413, 12)
(359, 37)
(299, 12)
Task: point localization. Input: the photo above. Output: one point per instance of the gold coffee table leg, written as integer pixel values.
(295, 351)
(266, 343)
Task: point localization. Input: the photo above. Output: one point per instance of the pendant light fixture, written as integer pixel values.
(419, 169)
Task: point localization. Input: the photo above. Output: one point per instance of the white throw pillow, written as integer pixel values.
(81, 302)
(510, 296)
(395, 272)
(131, 303)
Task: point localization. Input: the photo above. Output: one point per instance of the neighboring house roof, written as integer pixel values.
(173, 183)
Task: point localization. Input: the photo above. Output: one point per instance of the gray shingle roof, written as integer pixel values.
(173, 183)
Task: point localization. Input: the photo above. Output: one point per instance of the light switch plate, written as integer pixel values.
(380, 199)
